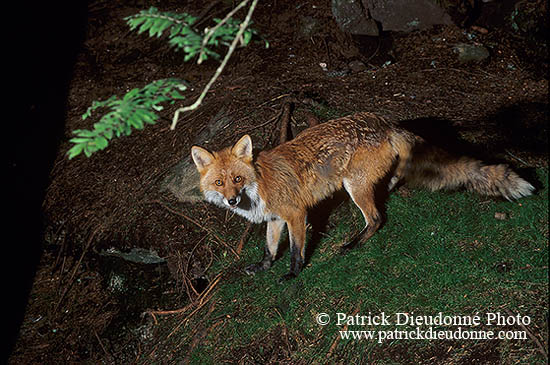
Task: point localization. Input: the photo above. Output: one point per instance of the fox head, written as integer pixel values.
(226, 174)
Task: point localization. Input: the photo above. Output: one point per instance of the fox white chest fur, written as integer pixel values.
(250, 205)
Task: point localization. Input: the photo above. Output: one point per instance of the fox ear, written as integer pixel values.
(201, 157)
(243, 148)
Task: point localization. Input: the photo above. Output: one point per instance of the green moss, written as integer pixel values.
(437, 252)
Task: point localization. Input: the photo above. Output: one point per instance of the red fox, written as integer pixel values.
(356, 152)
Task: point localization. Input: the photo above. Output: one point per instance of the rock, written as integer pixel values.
(406, 15)
(183, 179)
(363, 16)
(137, 255)
(471, 52)
(338, 73)
(357, 66)
(137, 279)
(309, 26)
(352, 18)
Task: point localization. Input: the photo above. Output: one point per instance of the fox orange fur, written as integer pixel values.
(357, 153)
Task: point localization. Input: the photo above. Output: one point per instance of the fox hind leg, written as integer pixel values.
(365, 201)
(362, 194)
(393, 181)
(367, 169)
(404, 153)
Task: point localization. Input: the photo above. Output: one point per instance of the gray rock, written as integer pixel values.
(352, 18)
(471, 52)
(338, 73)
(406, 15)
(357, 66)
(309, 26)
(137, 255)
(361, 16)
(183, 179)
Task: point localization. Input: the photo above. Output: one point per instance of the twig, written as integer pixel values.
(57, 235)
(263, 124)
(375, 52)
(459, 70)
(188, 285)
(286, 117)
(219, 70)
(218, 238)
(517, 158)
(188, 282)
(335, 342)
(244, 236)
(75, 269)
(285, 122)
(155, 313)
(109, 356)
(199, 336)
(202, 16)
(212, 30)
(275, 98)
(200, 300)
(542, 349)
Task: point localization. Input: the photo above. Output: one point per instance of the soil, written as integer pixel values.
(78, 309)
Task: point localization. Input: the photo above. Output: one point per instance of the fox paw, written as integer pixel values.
(286, 277)
(254, 268)
(347, 247)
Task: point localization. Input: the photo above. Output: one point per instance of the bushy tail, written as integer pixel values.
(434, 168)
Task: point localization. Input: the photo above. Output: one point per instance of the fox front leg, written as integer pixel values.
(273, 235)
(297, 237)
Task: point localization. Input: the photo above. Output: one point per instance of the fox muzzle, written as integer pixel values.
(233, 202)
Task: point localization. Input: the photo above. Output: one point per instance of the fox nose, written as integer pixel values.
(232, 201)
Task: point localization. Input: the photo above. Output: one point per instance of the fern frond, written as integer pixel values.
(135, 109)
(183, 36)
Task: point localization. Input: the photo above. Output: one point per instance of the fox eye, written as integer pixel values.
(218, 182)
(237, 179)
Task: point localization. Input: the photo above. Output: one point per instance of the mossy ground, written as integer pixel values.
(451, 252)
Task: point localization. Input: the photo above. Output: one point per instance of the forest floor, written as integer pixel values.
(88, 303)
